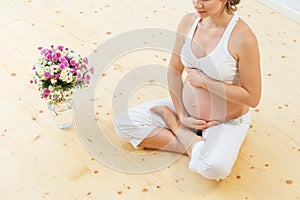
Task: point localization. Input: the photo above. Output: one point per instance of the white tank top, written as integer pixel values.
(219, 64)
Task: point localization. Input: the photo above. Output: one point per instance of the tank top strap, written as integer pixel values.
(229, 28)
(192, 30)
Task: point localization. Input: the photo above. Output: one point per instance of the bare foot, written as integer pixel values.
(186, 137)
(171, 119)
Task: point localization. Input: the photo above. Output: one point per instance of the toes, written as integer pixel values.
(159, 109)
(154, 107)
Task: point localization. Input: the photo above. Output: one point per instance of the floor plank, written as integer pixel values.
(39, 161)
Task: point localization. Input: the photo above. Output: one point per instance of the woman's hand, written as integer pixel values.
(196, 77)
(197, 124)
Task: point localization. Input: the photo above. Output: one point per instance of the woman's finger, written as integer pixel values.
(201, 122)
(195, 121)
(207, 125)
(201, 127)
(213, 123)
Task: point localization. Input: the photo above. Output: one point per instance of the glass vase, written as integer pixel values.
(63, 114)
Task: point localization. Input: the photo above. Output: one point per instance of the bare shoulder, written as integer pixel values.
(183, 28)
(186, 23)
(243, 34)
(242, 41)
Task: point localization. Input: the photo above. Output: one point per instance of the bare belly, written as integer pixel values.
(201, 104)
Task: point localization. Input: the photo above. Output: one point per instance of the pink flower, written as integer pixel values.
(61, 66)
(57, 54)
(65, 63)
(79, 76)
(47, 75)
(92, 70)
(49, 56)
(86, 78)
(55, 59)
(84, 67)
(44, 51)
(52, 62)
(60, 48)
(72, 62)
(62, 59)
(46, 93)
(86, 60)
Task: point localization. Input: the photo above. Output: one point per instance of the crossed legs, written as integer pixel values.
(176, 139)
(160, 129)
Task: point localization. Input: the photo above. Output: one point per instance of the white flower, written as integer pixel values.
(71, 55)
(66, 75)
(51, 88)
(53, 81)
(57, 78)
(47, 69)
(40, 72)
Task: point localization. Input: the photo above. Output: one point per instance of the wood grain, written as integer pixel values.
(40, 161)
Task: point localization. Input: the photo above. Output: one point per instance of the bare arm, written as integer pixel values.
(176, 68)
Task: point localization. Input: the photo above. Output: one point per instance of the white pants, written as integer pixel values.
(212, 158)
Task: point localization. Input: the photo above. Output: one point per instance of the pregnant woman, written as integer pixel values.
(220, 55)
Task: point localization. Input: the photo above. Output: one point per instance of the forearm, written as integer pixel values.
(175, 89)
(233, 93)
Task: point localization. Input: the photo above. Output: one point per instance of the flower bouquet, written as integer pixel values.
(57, 73)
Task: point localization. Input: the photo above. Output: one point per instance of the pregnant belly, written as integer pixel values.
(201, 104)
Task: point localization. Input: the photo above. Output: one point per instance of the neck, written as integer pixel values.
(218, 20)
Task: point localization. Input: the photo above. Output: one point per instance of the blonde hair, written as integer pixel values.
(230, 5)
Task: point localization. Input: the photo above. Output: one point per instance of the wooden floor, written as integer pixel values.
(40, 161)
